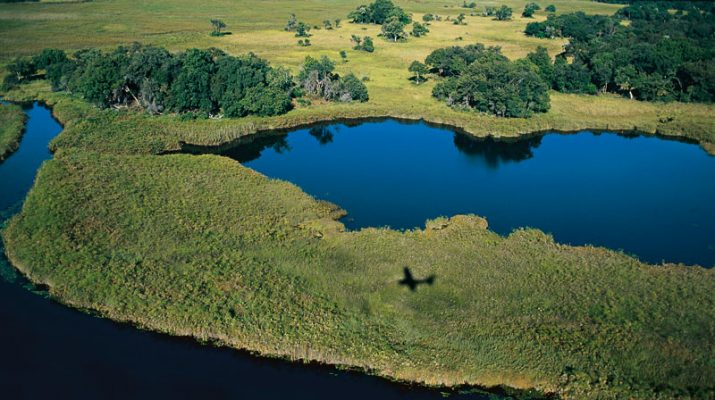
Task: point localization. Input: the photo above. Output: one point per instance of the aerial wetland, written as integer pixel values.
(400, 199)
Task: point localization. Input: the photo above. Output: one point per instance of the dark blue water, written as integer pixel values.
(51, 351)
(648, 196)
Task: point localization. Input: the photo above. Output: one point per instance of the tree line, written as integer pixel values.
(660, 55)
(195, 82)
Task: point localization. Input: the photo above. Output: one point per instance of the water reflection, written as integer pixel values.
(495, 152)
(322, 134)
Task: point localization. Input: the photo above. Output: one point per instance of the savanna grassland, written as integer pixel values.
(12, 121)
(202, 246)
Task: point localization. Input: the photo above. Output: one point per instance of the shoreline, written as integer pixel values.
(686, 121)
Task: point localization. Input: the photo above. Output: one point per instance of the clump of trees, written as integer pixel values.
(363, 43)
(379, 12)
(482, 78)
(317, 78)
(659, 56)
(530, 9)
(200, 82)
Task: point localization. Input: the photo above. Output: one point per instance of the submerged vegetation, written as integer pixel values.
(12, 121)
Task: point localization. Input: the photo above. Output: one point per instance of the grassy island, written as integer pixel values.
(12, 121)
(202, 246)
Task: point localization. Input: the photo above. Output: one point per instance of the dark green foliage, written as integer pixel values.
(419, 30)
(472, 4)
(543, 62)
(48, 57)
(317, 79)
(394, 29)
(19, 71)
(550, 8)
(199, 82)
(572, 78)
(503, 13)
(351, 85)
(459, 20)
(451, 61)
(427, 17)
(530, 9)
(363, 43)
(302, 30)
(327, 24)
(304, 42)
(419, 70)
(489, 82)
(191, 91)
(379, 12)
(343, 55)
(659, 56)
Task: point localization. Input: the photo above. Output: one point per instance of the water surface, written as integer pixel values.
(645, 195)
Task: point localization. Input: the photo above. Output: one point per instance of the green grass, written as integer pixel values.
(12, 123)
(202, 246)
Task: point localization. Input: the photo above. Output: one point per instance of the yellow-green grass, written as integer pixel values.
(12, 123)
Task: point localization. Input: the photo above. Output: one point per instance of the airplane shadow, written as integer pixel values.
(412, 283)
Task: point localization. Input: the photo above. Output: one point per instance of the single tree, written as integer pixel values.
(419, 30)
(419, 70)
(344, 56)
(503, 13)
(427, 17)
(292, 23)
(393, 29)
(550, 8)
(459, 20)
(302, 30)
(327, 24)
(217, 26)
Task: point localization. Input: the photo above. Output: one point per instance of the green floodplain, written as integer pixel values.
(12, 121)
(201, 246)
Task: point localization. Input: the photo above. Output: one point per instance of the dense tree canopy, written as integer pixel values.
(379, 12)
(481, 78)
(202, 82)
(659, 55)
